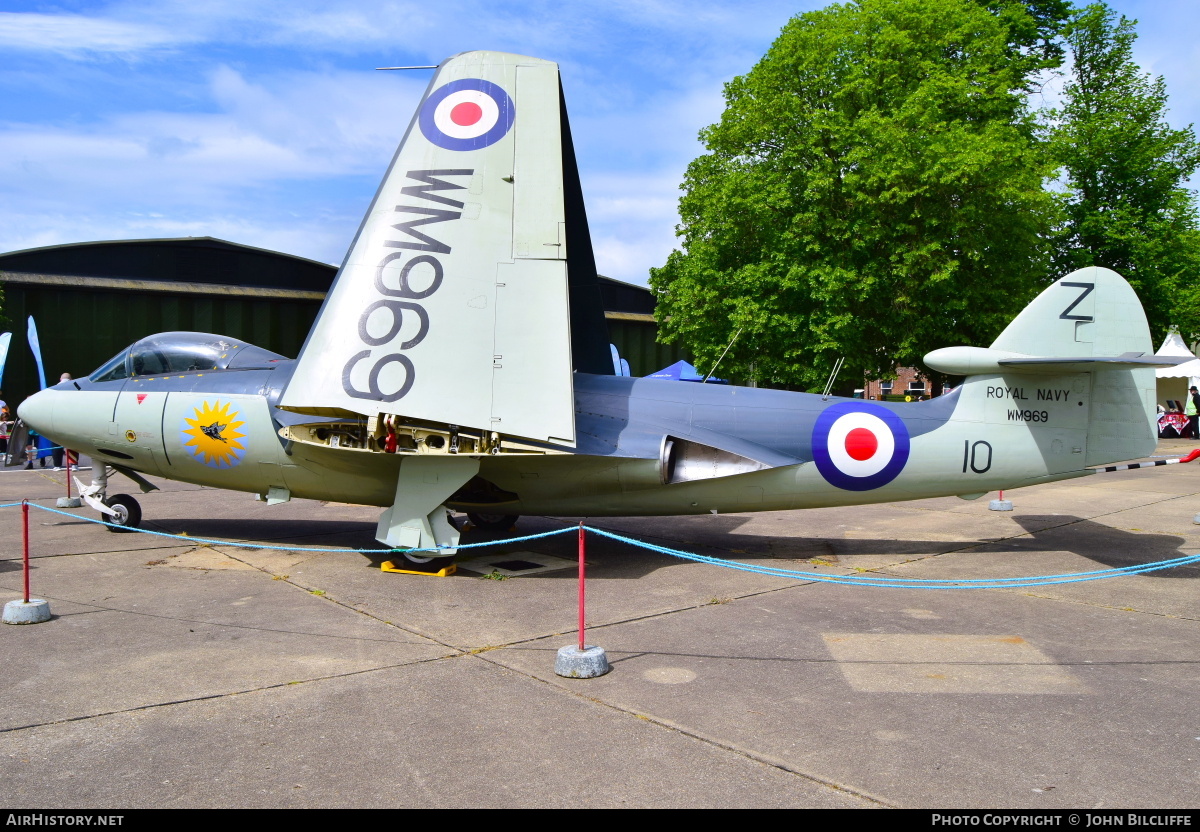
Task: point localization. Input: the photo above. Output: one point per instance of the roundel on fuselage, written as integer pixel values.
(859, 446)
(468, 114)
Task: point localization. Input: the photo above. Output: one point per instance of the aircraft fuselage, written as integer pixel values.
(644, 446)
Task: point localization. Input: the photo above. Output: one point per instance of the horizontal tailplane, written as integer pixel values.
(969, 361)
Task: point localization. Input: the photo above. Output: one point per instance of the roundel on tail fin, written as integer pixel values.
(858, 446)
(467, 114)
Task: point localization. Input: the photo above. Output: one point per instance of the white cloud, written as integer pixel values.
(630, 259)
(268, 127)
(302, 127)
(336, 116)
(632, 164)
(256, 143)
(632, 221)
(288, 162)
(72, 34)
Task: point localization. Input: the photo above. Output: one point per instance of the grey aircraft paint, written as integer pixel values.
(439, 372)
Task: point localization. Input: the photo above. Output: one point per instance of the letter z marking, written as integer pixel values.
(1087, 290)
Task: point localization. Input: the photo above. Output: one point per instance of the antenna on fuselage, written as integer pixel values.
(832, 377)
(727, 346)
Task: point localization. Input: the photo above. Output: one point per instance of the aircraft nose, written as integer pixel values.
(38, 411)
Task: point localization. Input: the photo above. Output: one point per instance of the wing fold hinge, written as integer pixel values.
(389, 434)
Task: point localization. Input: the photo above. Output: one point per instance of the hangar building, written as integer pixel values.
(91, 300)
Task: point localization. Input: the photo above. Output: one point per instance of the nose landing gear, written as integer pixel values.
(126, 513)
(120, 511)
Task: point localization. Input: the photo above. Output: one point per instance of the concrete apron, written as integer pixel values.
(221, 676)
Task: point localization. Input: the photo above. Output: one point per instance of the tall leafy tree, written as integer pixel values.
(1034, 32)
(874, 190)
(1125, 169)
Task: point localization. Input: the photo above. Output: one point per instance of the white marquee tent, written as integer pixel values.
(1173, 382)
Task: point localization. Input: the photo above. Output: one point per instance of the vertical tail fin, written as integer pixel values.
(1074, 370)
(1090, 312)
(1095, 312)
(454, 302)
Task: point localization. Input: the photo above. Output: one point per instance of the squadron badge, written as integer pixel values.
(213, 436)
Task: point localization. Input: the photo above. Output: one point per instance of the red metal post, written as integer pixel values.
(68, 455)
(582, 622)
(25, 523)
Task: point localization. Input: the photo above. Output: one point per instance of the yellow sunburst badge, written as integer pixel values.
(213, 436)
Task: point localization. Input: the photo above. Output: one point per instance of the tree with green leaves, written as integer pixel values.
(1034, 33)
(1124, 168)
(874, 190)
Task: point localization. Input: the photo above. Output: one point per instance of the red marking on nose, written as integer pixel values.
(861, 444)
(141, 397)
(466, 113)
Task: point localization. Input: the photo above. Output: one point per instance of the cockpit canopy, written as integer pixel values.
(184, 352)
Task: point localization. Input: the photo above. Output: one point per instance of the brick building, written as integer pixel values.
(908, 383)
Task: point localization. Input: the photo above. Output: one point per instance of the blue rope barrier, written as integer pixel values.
(291, 548)
(771, 571)
(909, 583)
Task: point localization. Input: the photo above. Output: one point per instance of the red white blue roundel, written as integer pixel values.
(468, 114)
(859, 446)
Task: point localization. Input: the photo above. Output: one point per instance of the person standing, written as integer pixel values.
(11, 420)
(6, 424)
(56, 453)
(1191, 409)
(31, 449)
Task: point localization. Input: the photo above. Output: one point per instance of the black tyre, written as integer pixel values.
(493, 522)
(417, 563)
(129, 513)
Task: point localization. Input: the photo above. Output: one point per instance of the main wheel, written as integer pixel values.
(493, 522)
(128, 513)
(416, 563)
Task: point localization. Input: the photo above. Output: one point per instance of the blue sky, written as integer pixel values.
(264, 122)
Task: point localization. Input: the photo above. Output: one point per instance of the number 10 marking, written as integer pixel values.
(972, 456)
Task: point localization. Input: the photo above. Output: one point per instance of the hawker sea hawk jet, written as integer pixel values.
(460, 362)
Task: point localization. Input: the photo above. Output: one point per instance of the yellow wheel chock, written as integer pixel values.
(390, 566)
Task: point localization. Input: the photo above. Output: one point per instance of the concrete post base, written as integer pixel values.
(587, 663)
(1000, 505)
(33, 611)
(69, 502)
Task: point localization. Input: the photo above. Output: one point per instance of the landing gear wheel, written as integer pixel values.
(493, 522)
(129, 513)
(416, 563)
